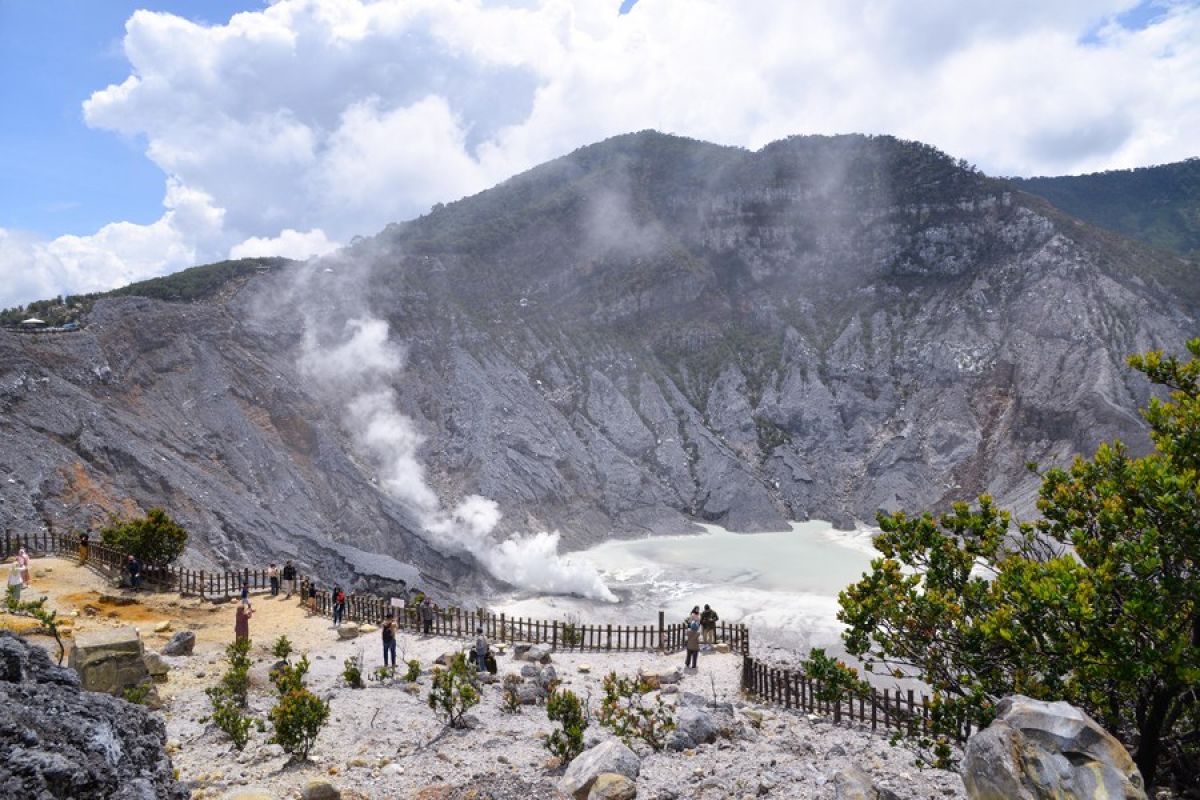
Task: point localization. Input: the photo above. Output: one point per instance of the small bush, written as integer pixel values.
(564, 707)
(623, 710)
(230, 717)
(282, 648)
(155, 539)
(572, 635)
(298, 717)
(236, 680)
(384, 674)
(414, 671)
(137, 694)
(454, 691)
(352, 671)
(290, 677)
(510, 699)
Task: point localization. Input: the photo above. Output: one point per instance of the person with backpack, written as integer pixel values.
(481, 650)
(389, 641)
(289, 578)
(708, 625)
(693, 645)
(273, 577)
(339, 605)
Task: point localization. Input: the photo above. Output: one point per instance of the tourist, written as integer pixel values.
(708, 624)
(241, 623)
(84, 546)
(339, 605)
(389, 641)
(693, 646)
(273, 578)
(15, 584)
(481, 650)
(23, 566)
(245, 591)
(289, 578)
(426, 610)
(134, 568)
(694, 616)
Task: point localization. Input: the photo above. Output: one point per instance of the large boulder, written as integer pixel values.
(1035, 750)
(534, 653)
(612, 786)
(181, 644)
(610, 755)
(347, 630)
(109, 661)
(693, 727)
(58, 742)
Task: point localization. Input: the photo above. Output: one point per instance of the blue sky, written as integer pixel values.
(307, 123)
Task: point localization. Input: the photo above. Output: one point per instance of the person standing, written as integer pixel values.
(23, 566)
(84, 547)
(693, 646)
(241, 622)
(289, 579)
(708, 625)
(134, 568)
(427, 616)
(339, 605)
(245, 592)
(273, 578)
(389, 641)
(481, 650)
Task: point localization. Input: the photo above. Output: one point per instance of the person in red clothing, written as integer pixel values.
(241, 623)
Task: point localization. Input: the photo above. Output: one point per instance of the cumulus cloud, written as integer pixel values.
(289, 244)
(341, 116)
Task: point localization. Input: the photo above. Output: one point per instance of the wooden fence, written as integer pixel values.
(895, 711)
(452, 621)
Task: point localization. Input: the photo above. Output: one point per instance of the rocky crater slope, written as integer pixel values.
(646, 332)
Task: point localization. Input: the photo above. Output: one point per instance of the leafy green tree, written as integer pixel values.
(298, 718)
(625, 712)
(154, 539)
(1097, 603)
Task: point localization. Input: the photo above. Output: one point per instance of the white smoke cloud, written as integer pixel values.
(359, 367)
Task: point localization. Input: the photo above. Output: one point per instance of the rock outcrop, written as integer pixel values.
(109, 661)
(610, 756)
(59, 742)
(1036, 750)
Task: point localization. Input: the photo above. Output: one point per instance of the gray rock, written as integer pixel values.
(612, 786)
(155, 665)
(693, 727)
(853, 783)
(180, 644)
(546, 676)
(610, 755)
(1036, 750)
(320, 790)
(347, 630)
(537, 654)
(62, 743)
(529, 694)
(109, 661)
(530, 671)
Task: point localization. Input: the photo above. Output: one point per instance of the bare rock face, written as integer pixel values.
(1036, 750)
(59, 742)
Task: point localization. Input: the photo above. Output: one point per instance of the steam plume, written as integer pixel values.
(360, 367)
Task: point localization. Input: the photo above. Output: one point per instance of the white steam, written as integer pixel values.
(360, 367)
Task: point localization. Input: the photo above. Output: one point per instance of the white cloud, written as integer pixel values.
(339, 116)
(289, 244)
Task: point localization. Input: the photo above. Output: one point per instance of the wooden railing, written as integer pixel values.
(452, 621)
(895, 711)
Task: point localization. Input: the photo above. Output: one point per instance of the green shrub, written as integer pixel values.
(414, 671)
(137, 694)
(298, 717)
(230, 717)
(236, 680)
(155, 539)
(624, 711)
(290, 677)
(282, 648)
(510, 699)
(454, 690)
(564, 707)
(352, 671)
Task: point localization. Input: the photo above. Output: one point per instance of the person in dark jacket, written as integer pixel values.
(273, 577)
(427, 616)
(481, 650)
(289, 580)
(708, 625)
(134, 568)
(389, 641)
